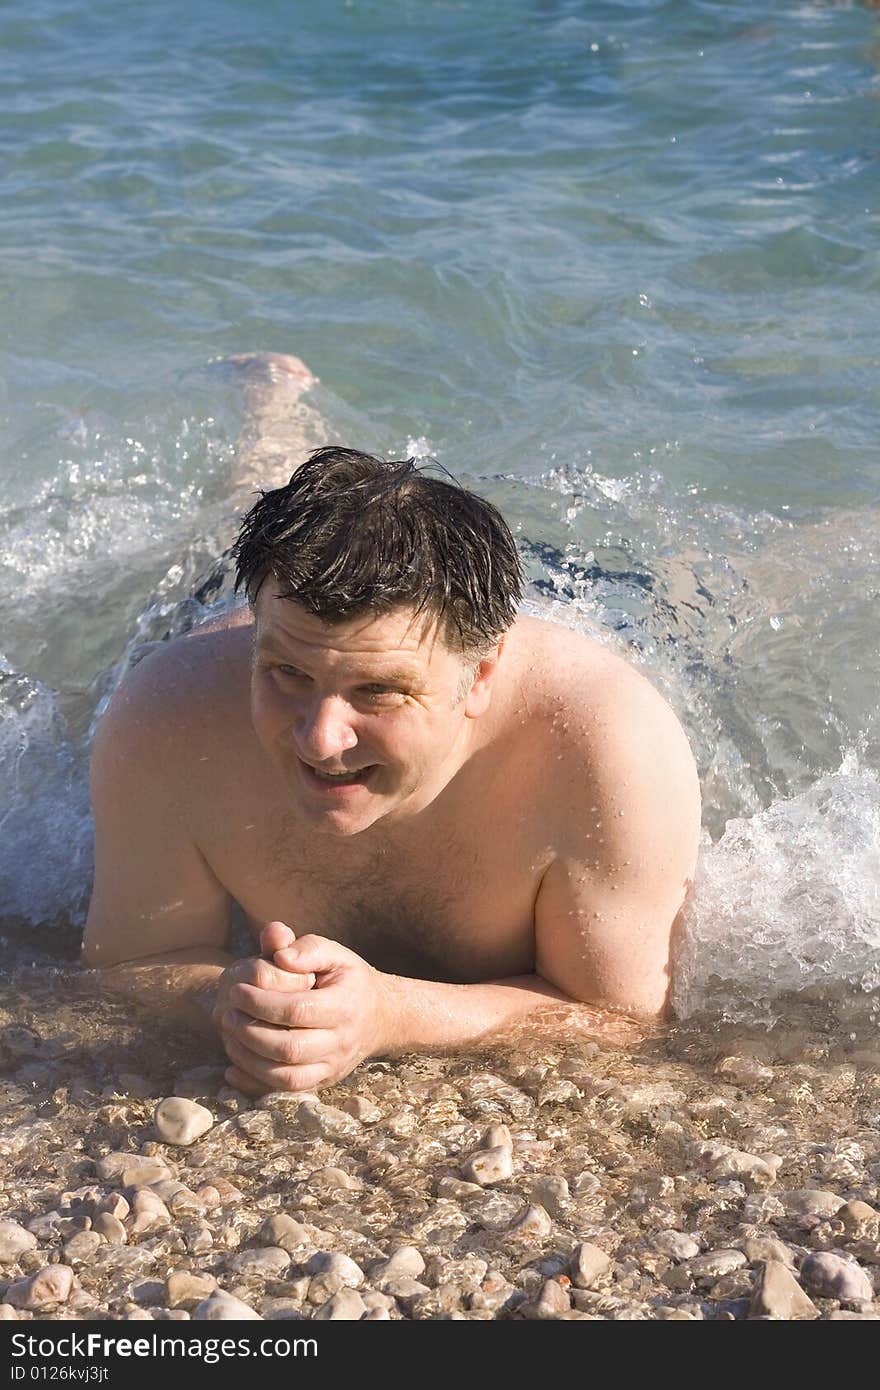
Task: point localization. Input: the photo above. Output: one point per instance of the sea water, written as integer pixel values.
(613, 265)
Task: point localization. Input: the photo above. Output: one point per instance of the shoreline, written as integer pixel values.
(661, 1183)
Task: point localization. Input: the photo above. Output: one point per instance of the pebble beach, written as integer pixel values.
(699, 1176)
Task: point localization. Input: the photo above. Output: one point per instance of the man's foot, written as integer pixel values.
(274, 368)
(281, 427)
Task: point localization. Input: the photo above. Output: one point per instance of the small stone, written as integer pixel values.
(333, 1180)
(326, 1121)
(46, 1289)
(110, 1227)
(283, 1231)
(488, 1166)
(143, 1176)
(268, 1263)
(456, 1188)
(114, 1205)
(532, 1224)
(812, 1201)
(347, 1304)
(374, 1299)
(858, 1217)
(14, 1241)
(209, 1196)
(181, 1121)
(721, 1161)
(588, 1264)
(406, 1261)
(676, 1245)
(405, 1291)
(224, 1307)
(363, 1110)
(763, 1248)
(835, 1276)
(715, 1263)
(497, 1136)
(778, 1295)
(82, 1246)
(376, 1315)
(131, 1169)
(331, 1272)
(228, 1192)
(8, 1313)
(183, 1289)
(552, 1302)
(551, 1192)
(744, 1071)
(185, 1202)
(282, 1309)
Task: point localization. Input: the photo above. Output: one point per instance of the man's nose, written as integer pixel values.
(324, 730)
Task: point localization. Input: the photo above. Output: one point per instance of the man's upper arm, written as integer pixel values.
(153, 890)
(626, 853)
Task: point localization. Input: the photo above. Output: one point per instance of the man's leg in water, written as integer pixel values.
(282, 426)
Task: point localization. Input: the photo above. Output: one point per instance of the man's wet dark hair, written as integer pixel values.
(353, 534)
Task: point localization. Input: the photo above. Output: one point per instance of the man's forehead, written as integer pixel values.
(283, 623)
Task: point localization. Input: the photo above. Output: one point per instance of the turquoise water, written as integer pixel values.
(615, 265)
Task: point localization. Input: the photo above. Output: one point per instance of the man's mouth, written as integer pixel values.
(337, 779)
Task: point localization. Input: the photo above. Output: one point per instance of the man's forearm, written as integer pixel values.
(180, 985)
(428, 1015)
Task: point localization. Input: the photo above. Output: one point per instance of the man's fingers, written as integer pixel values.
(275, 936)
(273, 1076)
(313, 1008)
(289, 1046)
(244, 1083)
(315, 953)
(264, 974)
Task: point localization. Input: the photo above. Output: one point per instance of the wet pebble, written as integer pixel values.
(313, 1117)
(183, 1289)
(552, 1301)
(812, 1201)
(488, 1166)
(181, 1121)
(46, 1289)
(331, 1271)
(763, 1248)
(14, 1241)
(283, 1231)
(716, 1263)
(406, 1261)
(82, 1246)
(677, 1245)
(224, 1307)
(347, 1305)
(270, 1262)
(835, 1276)
(588, 1264)
(778, 1295)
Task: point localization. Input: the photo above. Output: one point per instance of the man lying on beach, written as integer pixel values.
(439, 818)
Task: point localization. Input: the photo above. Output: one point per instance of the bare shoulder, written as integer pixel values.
(612, 732)
(185, 685)
(565, 673)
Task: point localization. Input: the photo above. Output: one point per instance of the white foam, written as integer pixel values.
(786, 899)
(45, 821)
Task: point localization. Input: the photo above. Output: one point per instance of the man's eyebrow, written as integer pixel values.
(400, 675)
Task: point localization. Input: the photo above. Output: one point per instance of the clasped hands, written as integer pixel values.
(302, 1015)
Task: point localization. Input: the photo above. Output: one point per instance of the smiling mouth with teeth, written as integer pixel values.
(338, 776)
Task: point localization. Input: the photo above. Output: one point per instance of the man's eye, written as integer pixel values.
(288, 671)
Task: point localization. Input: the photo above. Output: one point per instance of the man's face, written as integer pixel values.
(377, 699)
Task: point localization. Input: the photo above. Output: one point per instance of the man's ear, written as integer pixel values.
(479, 696)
